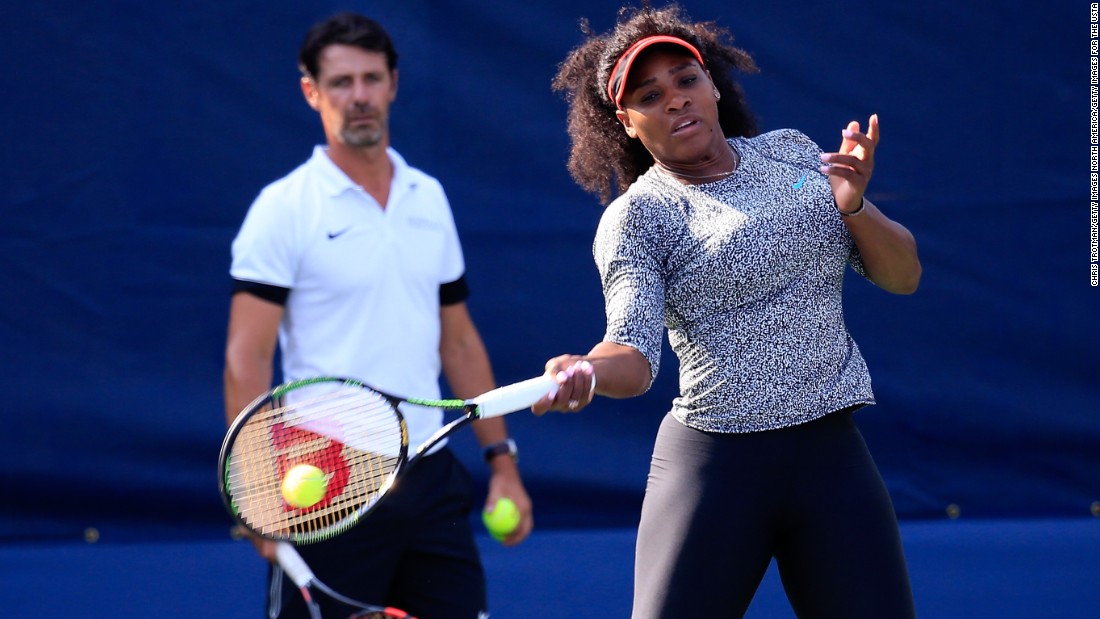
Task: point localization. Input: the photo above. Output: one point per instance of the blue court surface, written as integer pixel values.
(960, 569)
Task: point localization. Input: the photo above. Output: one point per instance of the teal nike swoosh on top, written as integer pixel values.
(800, 183)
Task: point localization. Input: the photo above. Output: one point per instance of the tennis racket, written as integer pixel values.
(354, 434)
(299, 573)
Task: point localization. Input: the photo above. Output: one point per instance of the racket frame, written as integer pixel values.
(298, 571)
(497, 402)
(271, 398)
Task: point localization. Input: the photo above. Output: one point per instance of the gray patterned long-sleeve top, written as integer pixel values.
(746, 274)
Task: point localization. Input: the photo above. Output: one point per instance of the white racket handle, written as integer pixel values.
(514, 397)
(293, 564)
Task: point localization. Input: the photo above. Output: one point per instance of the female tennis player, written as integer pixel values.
(737, 243)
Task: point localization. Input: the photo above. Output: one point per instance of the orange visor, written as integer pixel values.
(616, 83)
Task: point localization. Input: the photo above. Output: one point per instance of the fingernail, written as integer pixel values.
(823, 157)
(562, 377)
(824, 169)
(847, 133)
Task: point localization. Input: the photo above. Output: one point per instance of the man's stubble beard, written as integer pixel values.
(363, 138)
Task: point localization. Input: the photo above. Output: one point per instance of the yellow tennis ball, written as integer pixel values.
(502, 520)
(304, 486)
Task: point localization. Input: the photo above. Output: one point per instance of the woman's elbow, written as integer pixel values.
(625, 375)
(906, 282)
(639, 384)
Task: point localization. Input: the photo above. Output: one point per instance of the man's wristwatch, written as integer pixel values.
(507, 446)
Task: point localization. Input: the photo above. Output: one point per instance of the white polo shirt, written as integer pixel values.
(364, 281)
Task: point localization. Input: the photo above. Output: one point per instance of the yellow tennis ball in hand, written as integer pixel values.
(304, 486)
(502, 520)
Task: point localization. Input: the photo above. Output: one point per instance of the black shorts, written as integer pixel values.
(719, 507)
(415, 551)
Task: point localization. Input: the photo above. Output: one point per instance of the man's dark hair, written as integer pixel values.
(344, 29)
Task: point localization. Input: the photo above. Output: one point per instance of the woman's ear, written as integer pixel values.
(624, 118)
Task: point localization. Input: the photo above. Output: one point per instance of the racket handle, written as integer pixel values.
(293, 564)
(514, 397)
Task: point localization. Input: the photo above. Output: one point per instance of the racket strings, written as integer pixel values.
(353, 435)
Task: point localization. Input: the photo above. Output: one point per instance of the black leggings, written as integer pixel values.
(719, 507)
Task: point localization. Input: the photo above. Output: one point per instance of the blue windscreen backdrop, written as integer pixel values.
(137, 134)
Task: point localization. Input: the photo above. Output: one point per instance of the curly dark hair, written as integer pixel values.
(603, 157)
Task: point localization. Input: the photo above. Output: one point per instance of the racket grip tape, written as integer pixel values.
(514, 397)
(293, 564)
